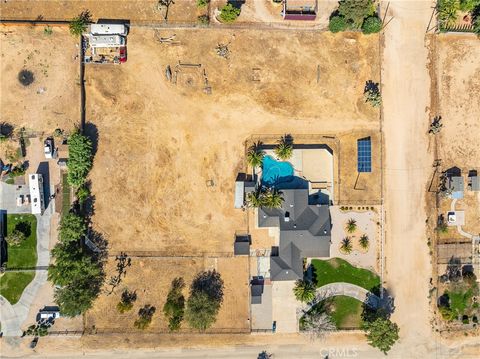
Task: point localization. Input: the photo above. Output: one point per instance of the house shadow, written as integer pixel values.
(453, 172)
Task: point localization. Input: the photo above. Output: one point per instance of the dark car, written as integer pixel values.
(33, 343)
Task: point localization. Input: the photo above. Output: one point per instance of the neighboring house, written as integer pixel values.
(299, 9)
(474, 183)
(304, 233)
(455, 186)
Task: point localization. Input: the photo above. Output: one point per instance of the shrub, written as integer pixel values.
(446, 313)
(15, 238)
(175, 305)
(372, 93)
(468, 5)
(351, 225)
(48, 30)
(126, 301)
(371, 25)
(83, 193)
(465, 319)
(145, 316)
(202, 3)
(346, 246)
(229, 13)
(203, 19)
(337, 24)
(447, 11)
(364, 241)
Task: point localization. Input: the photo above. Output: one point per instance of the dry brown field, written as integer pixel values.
(53, 99)
(160, 144)
(151, 279)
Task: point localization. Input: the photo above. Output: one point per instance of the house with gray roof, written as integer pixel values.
(304, 233)
(455, 185)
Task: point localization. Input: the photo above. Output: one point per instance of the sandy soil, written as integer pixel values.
(51, 100)
(147, 126)
(407, 169)
(459, 90)
(153, 289)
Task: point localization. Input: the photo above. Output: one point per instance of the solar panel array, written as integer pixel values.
(364, 150)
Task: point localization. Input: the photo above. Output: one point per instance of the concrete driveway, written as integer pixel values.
(8, 198)
(284, 307)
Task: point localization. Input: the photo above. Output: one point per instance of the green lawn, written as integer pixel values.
(12, 284)
(346, 312)
(25, 254)
(339, 270)
(460, 301)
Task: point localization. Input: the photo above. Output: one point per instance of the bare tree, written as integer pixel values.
(316, 325)
(165, 4)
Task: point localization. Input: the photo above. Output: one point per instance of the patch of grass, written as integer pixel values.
(339, 270)
(346, 312)
(460, 300)
(25, 254)
(12, 285)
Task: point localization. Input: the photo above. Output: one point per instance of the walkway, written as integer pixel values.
(346, 289)
(13, 316)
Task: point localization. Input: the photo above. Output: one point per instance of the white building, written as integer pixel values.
(35, 182)
(108, 29)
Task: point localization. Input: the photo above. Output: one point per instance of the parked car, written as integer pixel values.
(33, 343)
(123, 54)
(48, 148)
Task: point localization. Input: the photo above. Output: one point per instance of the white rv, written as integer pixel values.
(108, 29)
(35, 182)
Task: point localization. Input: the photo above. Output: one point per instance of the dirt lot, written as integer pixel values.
(153, 289)
(458, 74)
(165, 142)
(52, 100)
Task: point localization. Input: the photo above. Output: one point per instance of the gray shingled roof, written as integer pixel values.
(304, 232)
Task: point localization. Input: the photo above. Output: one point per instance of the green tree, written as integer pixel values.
(355, 11)
(72, 228)
(272, 198)
(83, 193)
(381, 333)
(447, 12)
(346, 246)
(304, 290)
(201, 311)
(255, 155)
(80, 158)
(337, 24)
(206, 296)
(145, 316)
(351, 225)
(372, 94)
(364, 241)
(284, 148)
(469, 5)
(75, 298)
(174, 307)
(229, 13)
(126, 301)
(371, 25)
(78, 25)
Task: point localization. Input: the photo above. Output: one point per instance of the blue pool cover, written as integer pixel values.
(276, 172)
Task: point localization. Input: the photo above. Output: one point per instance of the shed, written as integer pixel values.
(241, 247)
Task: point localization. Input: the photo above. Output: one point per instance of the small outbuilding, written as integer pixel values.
(300, 9)
(474, 183)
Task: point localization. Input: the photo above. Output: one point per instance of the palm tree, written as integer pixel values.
(284, 149)
(364, 241)
(256, 198)
(304, 290)
(272, 198)
(346, 246)
(78, 25)
(351, 225)
(255, 155)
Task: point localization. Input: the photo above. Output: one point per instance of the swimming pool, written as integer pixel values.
(276, 172)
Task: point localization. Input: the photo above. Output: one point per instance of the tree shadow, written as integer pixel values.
(91, 131)
(372, 87)
(6, 129)
(24, 227)
(377, 306)
(236, 3)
